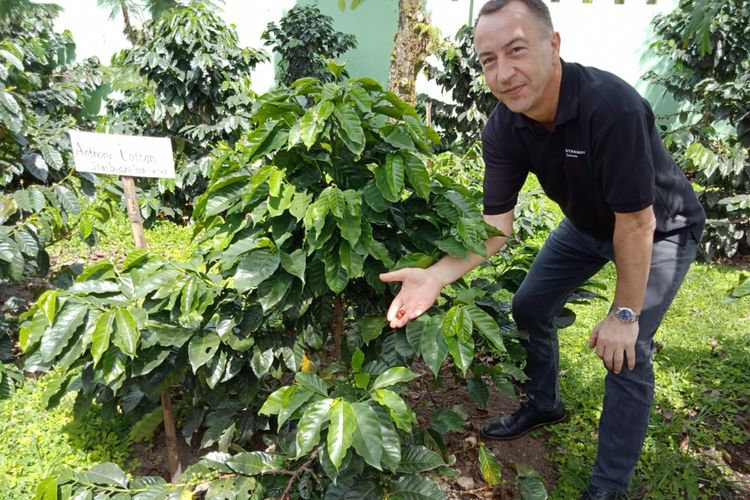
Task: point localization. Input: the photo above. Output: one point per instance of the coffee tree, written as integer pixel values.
(42, 95)
(188, 78)
(707, 44)
(274, 332)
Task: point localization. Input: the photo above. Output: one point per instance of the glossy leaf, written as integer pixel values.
(419, 459)
(432, 345)
(367, 439)
(256, 268)
(393, 376)
(370, 327)
(255, 462)
(309, 426)
(312, 382)
(340, 430)
(202, 348)
(127, 334)
(101, 335)
(57, 336)
(462, 351)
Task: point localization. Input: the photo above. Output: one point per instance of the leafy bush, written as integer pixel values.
(459, 75)
(707, 42)
(42, 95)
(274, 330)
(187, 79)
(304, 39)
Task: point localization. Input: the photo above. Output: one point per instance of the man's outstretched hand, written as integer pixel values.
(419, 290)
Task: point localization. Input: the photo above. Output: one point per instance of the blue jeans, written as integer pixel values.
(569, 258)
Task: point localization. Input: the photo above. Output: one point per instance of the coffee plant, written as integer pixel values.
(42, 95)
(187, 79)
(305, 39)
(707, 44)
(274, 334)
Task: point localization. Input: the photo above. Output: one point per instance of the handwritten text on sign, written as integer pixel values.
(122, 154)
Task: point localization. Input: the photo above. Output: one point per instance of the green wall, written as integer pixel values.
(374, 23)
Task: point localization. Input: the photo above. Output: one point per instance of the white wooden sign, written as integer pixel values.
(127, 155)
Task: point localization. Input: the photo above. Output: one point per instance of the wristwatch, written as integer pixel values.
(624, 314)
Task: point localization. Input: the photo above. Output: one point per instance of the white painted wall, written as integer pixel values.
(611, 37)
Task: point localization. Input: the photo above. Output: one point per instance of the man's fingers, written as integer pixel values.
(593, 337)
(393, 276)
(617, 362)
(396, 305)
(630, 354)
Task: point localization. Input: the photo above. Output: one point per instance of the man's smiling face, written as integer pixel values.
(520, 59)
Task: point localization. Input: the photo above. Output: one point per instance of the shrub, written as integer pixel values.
(42, 95)
(304, 39)
(187, 79)
(707, 42)
(274, 331)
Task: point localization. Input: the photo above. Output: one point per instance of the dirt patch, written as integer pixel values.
(152, 455)
(469, 483)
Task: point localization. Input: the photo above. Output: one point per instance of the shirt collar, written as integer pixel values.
(567, 105)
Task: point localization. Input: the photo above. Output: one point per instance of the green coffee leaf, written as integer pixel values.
(367, 439)
(370, 327)
(127, 333)
(57, 336)
(393, 376)
(101, 335)
(432, 345)
(340, 430)
(202, 348)
(308, 428)
(256, 268)
(415, 487)
(419, 459)
(312, 382)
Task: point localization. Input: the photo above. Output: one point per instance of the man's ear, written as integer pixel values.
(555, 44)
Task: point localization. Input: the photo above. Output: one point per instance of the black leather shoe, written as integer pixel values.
(594, 493)
(521, 421)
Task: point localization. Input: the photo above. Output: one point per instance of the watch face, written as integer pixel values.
(625, 314)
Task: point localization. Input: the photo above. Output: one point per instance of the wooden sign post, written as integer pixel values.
(129, 157)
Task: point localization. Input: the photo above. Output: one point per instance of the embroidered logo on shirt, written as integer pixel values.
(574, 153)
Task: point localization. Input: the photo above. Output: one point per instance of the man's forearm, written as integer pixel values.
(633, 242)
(449, 269)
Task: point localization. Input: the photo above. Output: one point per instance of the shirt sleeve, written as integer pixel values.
(503, 176)
(624, 161)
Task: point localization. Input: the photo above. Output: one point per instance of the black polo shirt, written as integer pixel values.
(604, 155)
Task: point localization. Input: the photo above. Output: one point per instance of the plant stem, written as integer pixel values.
(338, 325)
(170, 433)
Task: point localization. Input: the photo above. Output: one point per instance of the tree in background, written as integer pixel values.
(304, 39)
(411, 46)
(42, 95)
(459, 75)
(707, 43)
(187, 79)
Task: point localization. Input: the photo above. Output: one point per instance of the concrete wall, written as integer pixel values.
(603, 34)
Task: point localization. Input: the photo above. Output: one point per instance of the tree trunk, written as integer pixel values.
(410, 49)
(129, 30)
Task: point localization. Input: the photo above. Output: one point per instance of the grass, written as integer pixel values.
(35, 440)
(702, 383)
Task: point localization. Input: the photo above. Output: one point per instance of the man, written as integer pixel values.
(591, 141)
